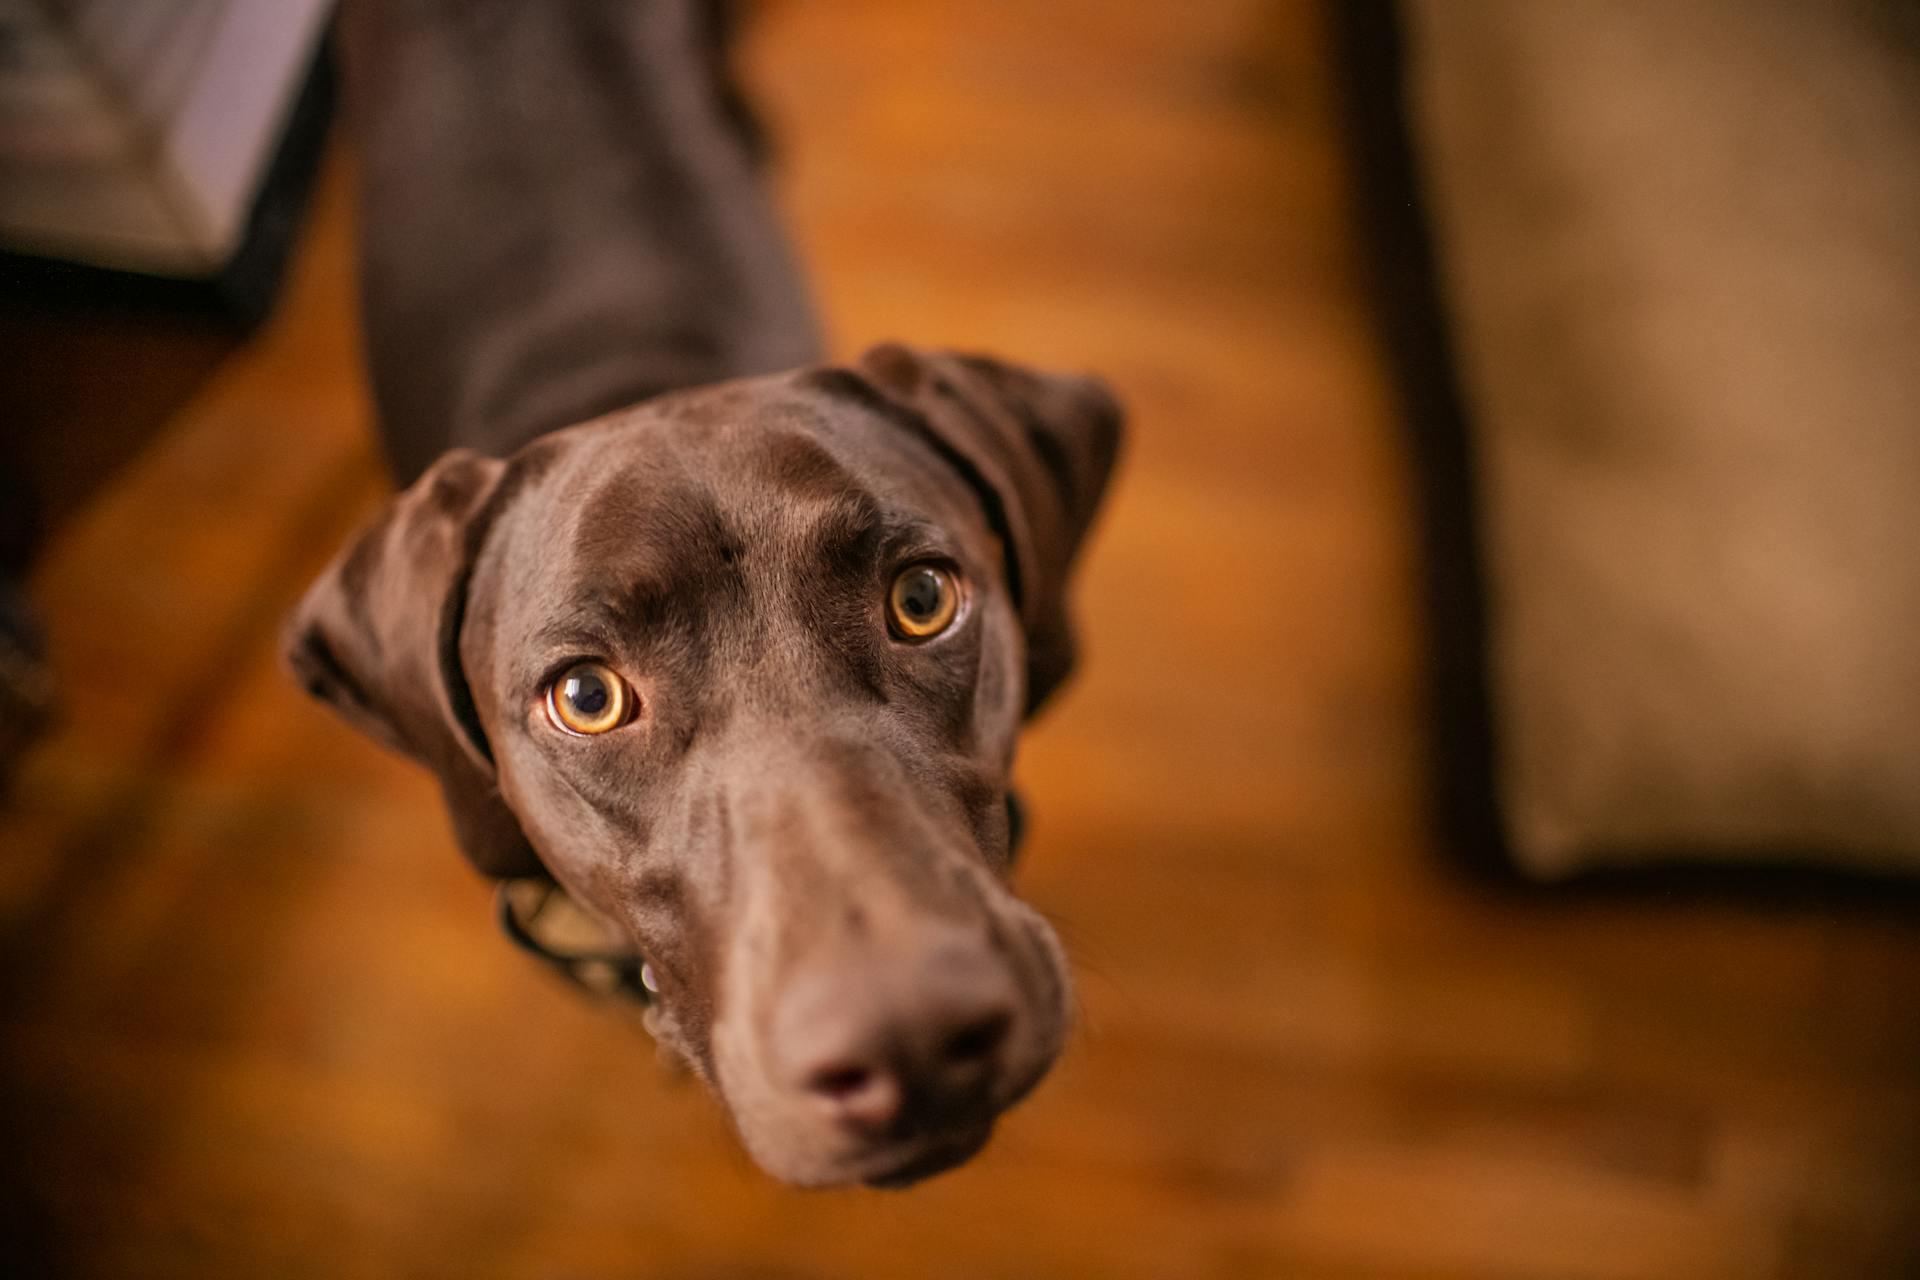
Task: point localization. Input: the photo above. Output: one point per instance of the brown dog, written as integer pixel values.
(742, 667)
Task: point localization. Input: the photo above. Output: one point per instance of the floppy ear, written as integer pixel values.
(1039, 448)
(378, 638)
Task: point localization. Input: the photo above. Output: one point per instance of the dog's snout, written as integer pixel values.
(886, 1046)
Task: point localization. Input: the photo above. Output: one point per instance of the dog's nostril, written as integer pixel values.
(841, 1082)
(859, 1095)
(977, 1040)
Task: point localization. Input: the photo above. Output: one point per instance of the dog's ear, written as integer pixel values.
(1039, 448)
(378, 638)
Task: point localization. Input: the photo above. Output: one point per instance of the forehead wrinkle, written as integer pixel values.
(639, 514)
(842, 533)
(654, 552)
(796, 463)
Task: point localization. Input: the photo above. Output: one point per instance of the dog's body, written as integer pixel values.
(811, 608)
(561, 215)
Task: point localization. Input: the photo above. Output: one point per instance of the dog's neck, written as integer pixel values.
(561, 215)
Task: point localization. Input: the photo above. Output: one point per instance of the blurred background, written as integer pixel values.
(1484, 821)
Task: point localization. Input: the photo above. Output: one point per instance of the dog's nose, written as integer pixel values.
(885, 1045)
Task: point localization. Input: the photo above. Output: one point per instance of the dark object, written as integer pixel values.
(26, 683)
(242, 293)
(1408, 308)
(73, 411)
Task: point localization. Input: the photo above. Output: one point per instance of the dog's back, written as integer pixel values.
(561, 215)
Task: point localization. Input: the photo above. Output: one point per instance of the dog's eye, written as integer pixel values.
(588, 698)
(923, 601)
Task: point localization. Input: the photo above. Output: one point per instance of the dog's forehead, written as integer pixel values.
(753, 462)
(661, 497)
(687, 502)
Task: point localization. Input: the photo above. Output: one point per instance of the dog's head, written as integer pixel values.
(742, 669)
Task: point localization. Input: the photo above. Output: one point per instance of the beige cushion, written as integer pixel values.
(1681, 245)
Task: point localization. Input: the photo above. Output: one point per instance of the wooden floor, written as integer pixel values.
(257, 1021)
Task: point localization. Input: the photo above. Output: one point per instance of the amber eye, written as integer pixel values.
(588, 698)
(923, 601)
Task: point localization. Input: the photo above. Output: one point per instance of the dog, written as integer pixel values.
(731, 644)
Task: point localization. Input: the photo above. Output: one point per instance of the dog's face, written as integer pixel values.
(742, 669)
